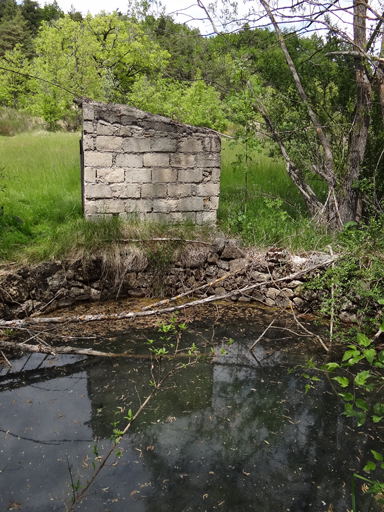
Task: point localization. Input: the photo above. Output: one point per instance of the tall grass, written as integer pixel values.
(13, 122)
(41, 188)
(41, 217)
(40, 203)
(275, 212)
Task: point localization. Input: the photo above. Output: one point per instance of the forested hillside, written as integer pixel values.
(310, 98)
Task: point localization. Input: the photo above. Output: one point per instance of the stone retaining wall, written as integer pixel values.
(48, 286)
(148, 165)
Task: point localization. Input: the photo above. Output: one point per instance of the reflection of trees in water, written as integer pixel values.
(240, 432)
(235, 430)
(267, 449)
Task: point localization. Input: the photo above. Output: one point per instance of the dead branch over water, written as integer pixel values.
(149, 312)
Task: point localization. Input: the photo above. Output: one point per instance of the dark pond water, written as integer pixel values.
(232, 434)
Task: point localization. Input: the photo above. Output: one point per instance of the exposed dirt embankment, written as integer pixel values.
(128, 271)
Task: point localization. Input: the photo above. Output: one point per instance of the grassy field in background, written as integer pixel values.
(40, 201)
(275, 213)
(40, 177)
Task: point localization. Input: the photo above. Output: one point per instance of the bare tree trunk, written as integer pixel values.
(329, 175)
(314, 205)
(380, 77)
(349, 200)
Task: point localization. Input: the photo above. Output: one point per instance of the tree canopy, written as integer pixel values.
(313, 89)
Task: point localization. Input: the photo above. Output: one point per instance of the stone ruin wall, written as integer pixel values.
(138, 163)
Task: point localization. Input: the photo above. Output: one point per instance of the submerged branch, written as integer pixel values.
(47, 349)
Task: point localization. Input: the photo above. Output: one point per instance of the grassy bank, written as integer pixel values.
(41, 203)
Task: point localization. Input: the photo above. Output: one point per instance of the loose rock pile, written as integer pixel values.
(213, 269)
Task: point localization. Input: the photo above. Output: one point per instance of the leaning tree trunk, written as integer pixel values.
(349, 199)
(380, 77)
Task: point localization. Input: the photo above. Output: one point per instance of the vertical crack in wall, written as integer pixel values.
(148, 165)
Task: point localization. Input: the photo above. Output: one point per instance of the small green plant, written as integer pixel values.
(356, 389)
(171, 330)
(116, 433)
(355, 278)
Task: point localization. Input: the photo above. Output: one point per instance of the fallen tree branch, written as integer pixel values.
(133, 314)
(46, 349)
(306, 330)
(5, 359)
(265, 331)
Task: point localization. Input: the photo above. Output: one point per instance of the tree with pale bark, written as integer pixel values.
(329, 142)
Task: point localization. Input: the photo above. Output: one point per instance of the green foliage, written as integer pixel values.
(15, 31)
(14, 87)
(197, 104)
(13, 122)
(356, 276)
(99, 57)
(275, 214)
(366, 383)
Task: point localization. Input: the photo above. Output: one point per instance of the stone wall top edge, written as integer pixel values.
(140, 115)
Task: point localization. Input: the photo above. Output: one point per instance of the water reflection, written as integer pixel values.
(232, 435)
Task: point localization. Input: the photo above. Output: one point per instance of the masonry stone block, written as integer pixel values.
(154, 190)
(208, 160)
(191, 145)
(163, 145)
(88, 127)
(88, 112)
(165, 205)
(171, 217)
(156, 160)
(110, 175)
(91, 207)
(124, 191)
(104, 143)
(136, 145)
(178, 190)
(208, 189)
(138, 176)
(215, 175)
(128, 160)
(106, 129)
(95, 159)
(164, 175)
(189, 204)
(88, 142)
(95, 191)
(182, 160)
(90, 175)
(212, 144)
(114, 205)
(190, 175)
(139, 206)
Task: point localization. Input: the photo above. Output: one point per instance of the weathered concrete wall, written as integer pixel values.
(139, 163)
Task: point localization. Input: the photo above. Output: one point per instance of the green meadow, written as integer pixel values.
(274, 212)
(40, 201)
